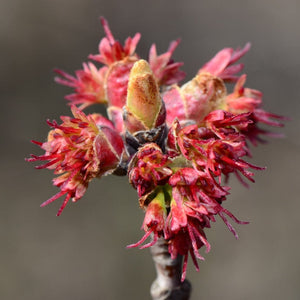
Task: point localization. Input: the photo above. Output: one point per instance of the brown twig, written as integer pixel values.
(168, 285)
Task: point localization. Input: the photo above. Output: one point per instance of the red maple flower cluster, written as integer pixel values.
(178, 145)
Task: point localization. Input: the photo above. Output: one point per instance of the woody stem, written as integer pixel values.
(168, 285)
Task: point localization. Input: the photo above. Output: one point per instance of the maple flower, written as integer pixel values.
(246, 100)
(148, 169)
(209, 153)
(111, 50)
(119, 60)
(107, 84)
(196, 199)
(188, 240)
(88, 85)
(165, 70)
(197, 193)
(222, 123)
(78, 150)
(222, 64)
(154, 221)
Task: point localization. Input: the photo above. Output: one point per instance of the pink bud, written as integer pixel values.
(195, 99)
(202, 95)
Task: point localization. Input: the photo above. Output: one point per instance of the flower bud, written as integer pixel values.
(195, 99)
(144, 109)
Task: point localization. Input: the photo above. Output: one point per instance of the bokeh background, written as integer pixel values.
(82, 254)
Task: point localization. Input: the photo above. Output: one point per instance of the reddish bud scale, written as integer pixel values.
(117, 82)
(108, 146)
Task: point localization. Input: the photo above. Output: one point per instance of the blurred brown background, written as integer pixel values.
(82, 255)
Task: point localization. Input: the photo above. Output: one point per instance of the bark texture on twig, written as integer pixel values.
(168, 285)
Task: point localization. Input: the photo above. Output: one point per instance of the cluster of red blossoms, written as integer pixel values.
(177, 144)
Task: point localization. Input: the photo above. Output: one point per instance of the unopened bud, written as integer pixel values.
(195, 99)
(144, 106)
